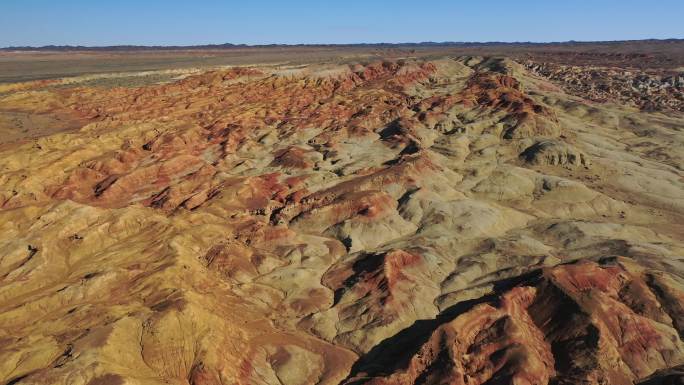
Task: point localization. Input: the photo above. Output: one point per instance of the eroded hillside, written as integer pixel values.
(465, 220)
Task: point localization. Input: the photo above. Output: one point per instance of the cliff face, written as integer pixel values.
(577, 323)
(462, 221)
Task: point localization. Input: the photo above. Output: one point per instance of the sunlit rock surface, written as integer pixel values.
(456, 221)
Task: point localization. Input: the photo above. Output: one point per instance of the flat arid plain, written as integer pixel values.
(493, 214)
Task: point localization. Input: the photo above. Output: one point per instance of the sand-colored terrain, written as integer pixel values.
(443, 220)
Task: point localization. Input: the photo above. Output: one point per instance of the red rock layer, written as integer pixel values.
(579, 323)
(244, 222)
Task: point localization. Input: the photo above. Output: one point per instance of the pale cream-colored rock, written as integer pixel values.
(395, 222)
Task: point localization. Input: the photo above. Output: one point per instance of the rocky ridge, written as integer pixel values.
(465, 220)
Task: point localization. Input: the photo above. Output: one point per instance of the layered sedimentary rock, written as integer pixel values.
(575, 323)
(463, 220)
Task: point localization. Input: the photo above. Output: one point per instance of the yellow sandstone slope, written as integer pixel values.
(462, 220)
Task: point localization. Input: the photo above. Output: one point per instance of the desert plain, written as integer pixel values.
(495, 214)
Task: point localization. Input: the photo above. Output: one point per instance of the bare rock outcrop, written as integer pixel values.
(458, 220)
(555, 153)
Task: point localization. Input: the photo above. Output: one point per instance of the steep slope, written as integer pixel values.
(464, 220)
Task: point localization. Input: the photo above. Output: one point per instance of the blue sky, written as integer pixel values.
(172, 22)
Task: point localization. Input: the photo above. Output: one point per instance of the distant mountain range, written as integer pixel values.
(379, 45)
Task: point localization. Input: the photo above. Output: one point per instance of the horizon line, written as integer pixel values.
(242, 45)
